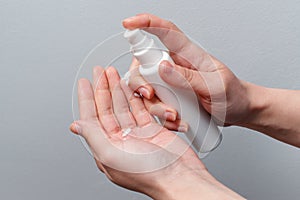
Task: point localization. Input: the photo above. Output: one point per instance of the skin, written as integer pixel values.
(170, 174)
(245, 104)
(104, 113)
(152, 103)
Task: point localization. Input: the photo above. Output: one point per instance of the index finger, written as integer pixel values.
(87, 108)
(182, 50)
(162, 31)
(137, 82)
(104, 101)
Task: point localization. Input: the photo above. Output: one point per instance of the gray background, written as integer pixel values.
(42, 44)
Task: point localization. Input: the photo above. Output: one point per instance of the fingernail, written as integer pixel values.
(144, 92)
(78, 128)
(170, 116)
(128, 19)
(183, 128)
(167, 67)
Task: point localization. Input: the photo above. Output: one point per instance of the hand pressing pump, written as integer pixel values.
(203, 133)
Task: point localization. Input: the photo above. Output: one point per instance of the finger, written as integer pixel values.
(137, 82)
(181, 77)
(120, 105)
(177, 125)
(88, 126)
(159, 109)
(140, 113)
(87, 108)
(183, 51)
(161, 28)
(104, 101)
(74, 128)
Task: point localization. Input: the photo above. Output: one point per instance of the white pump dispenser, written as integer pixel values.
(203, 132)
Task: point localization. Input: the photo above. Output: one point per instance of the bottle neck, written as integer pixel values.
(143, 48)
(148, 56)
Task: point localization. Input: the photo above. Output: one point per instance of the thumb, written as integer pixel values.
(90, 131)
(101, 147)
(182, 77)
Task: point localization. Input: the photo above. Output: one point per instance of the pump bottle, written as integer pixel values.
(203, 133)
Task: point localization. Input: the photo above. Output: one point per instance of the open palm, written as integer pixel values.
(127, 143)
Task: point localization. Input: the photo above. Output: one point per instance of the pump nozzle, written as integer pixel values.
(143, 47)
(134, 36)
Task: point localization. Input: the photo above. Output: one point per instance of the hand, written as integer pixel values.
(148, 159)
(219, 90)
(229, 100)
(165, 113)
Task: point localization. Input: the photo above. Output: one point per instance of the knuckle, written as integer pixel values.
(188, 75)
(134, 82)
(171, 24)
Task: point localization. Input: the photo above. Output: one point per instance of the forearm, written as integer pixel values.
(275, 112)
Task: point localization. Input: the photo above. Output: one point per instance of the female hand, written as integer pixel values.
(229, 100)
(219, 90)
(132, 149)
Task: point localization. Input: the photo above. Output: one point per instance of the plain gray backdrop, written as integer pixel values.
(42, 44)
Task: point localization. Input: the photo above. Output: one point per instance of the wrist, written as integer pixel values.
(184, 186)
(190, 184)
(258, 105)
(269, 113)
